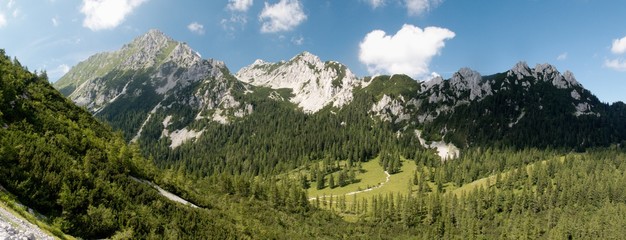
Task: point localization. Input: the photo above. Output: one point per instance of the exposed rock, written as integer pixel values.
(13, 227)
(446, 151)
(387, 109)
(315, 83)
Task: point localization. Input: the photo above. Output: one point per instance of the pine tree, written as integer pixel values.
(320, 182)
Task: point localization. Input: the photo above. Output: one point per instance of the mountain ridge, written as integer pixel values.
(186, 101)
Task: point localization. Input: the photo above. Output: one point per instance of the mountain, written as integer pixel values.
(314, 84)
(155, 76)
(182, 108)
(522, 107)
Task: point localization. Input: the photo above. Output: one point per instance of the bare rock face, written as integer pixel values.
(315, 84)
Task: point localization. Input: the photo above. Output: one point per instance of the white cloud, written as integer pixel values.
(57, 72)
(409, 51)
(63, 68)
(10, 4)
(239, 5)
(235, 20)
(282, 16)
(3, 20)
(55, 22)
(196, 28)
(16, 12)
(107, 14)
(619, 46)
(238, 17)
(376, 3)
(562, 56)
(417, 7)
(616, 64)
(297, 40)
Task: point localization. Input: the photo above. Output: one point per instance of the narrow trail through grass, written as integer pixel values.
(357, 192)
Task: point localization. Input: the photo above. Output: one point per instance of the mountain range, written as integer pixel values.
(157, 88)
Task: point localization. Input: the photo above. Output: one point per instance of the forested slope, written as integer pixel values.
(60, 161)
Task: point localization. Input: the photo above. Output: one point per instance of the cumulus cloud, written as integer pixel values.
(107, 14)
(562, 56)
(417, 7)
(238, 14)
(239, 5)
(196, 28)
(235, 21)
(375, 3)
(616, 64)
(619, 46)
(3, 20)
(282, 16)
(409, 51)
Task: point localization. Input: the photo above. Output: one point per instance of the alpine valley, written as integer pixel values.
(304, 148)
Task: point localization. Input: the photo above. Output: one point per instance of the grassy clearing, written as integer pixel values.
(371, 176)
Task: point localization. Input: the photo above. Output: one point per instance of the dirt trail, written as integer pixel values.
(165, 193)
(357, 192)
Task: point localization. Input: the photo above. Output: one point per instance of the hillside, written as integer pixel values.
(81, 178)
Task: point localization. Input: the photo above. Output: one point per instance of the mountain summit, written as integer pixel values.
(154, 78)
(315, 84)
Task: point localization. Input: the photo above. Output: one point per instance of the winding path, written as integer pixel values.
(357, 192)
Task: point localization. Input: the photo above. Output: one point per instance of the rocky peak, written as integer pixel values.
(306, 57)
(549, 73)
(315, 83)
(520, 70)
(544, 72)
(569, 78)
(148, 50)
(152, 39)
(468, 79)
(258, 62)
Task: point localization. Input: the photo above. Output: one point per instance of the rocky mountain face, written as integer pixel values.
(469, 108)
(155, 78)
(315, 84)
(466, 86)
(160, 90)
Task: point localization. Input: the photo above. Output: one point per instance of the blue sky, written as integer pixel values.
(417, 37)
